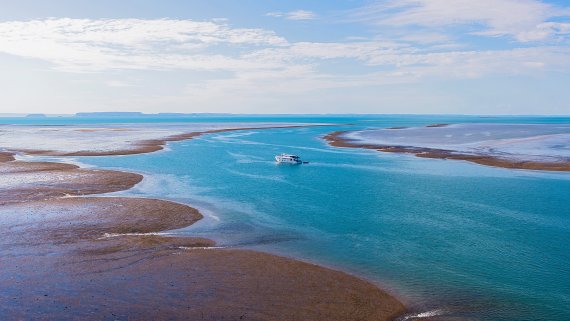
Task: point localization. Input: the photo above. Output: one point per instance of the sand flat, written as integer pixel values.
(60, 261)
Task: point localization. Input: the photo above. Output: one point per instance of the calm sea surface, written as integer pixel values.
(449, 238)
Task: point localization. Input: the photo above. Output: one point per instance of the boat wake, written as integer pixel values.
(111, 235)
(422, 315)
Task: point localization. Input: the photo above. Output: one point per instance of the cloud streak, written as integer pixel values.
(92, 45)
(254, 60)
(293, 15)
(523, 20)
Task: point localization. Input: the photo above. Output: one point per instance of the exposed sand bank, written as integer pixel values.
(336, 139)
(93, 258)
(68, 269)
(6, 157)
(140, 146)
(31, 181)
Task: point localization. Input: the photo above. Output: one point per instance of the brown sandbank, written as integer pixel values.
(437, 125)
(31, 181)
(336, 139)
(97, 258)
(429, 126)
(73, 273)
(6, 157)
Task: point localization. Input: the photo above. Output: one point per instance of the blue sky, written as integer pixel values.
(385, 56)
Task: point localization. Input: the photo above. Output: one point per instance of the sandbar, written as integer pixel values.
(22, 181)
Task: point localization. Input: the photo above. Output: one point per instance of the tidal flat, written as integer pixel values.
(425, 238)
(69, 254)
(518, 146)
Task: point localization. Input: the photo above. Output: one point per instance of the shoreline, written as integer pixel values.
(74, 229)
(335, 139)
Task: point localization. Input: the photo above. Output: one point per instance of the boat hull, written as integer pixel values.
(287, 161)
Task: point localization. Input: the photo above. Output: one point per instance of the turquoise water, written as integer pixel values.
(448, 237)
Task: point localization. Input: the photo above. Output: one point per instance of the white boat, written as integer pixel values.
(288, 159)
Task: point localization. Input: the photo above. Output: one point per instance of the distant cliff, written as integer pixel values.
(139, 114)
(109, 114)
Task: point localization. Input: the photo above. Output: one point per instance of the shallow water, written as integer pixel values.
(450, 238)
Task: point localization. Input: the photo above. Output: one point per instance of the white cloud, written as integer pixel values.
(426, 38)
(258, 63)
(301, 15)
(386, 64)
(397, 59)
(91, 45)
(293, 15)
(117, 83)
(275, 14)
(525, 20)
(315, 52)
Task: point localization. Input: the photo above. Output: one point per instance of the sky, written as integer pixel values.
(277, 56)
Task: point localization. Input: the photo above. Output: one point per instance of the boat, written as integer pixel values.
(288, 159)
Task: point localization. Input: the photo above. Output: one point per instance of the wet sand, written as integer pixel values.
(6, 157)
(62, 267)
(104, 258)
(428, 126)
(336, 139)
(33, 181)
